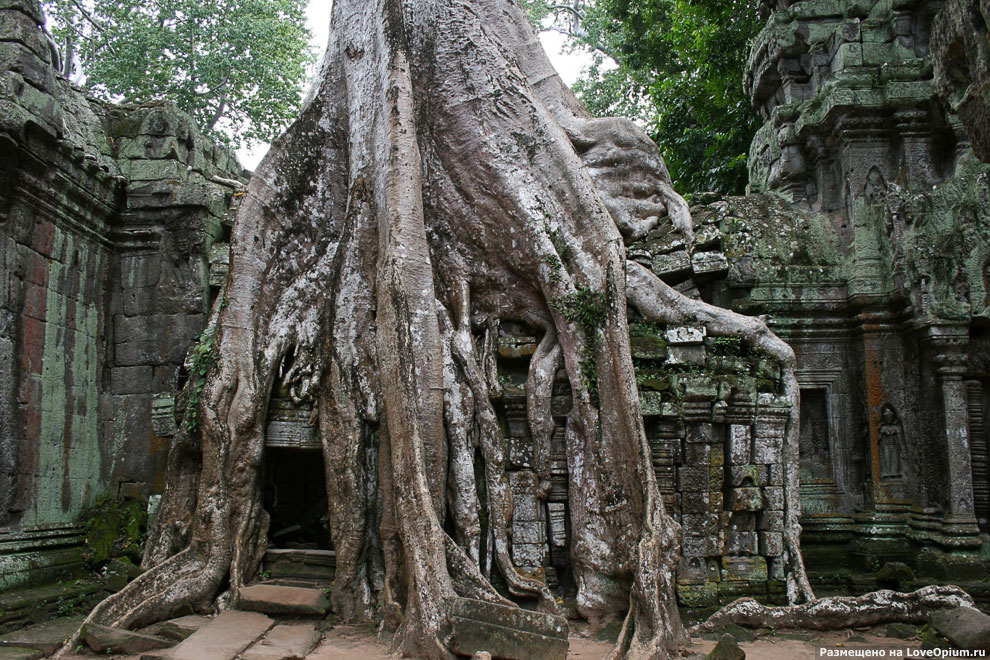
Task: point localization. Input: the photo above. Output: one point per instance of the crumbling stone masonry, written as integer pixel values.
(107, 216)
(866, 243)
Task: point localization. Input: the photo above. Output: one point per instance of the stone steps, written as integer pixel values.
(284, 642)
(313, 566)
(283, 600)
(228, 635)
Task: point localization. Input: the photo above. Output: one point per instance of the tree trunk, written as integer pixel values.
(440, 180)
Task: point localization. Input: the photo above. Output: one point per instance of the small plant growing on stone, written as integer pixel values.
(202, 357)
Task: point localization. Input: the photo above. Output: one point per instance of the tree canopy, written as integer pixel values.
(680, 66)
(237, 66)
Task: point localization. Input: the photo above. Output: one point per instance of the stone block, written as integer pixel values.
(44, 638)
(694, 546)
(558, 523)
(746, 499)
(136, 328)
(138, 301)
(698, 595)
(685, 355)
(741, 543)
(727, 648)
(529, 556)
(673, 264)
(767, 450)
(272, 599)
(506, 632)
(650, 404)
(104, 639)
(698, 433)
(288, 426)
(140, 271)
(771, 544)
(520, 452)
(649, 347)
(528, 531)
(717, 456)
(226, 636)
(771, 521)
(739, 445)
(715, 544)
(560, 405)
(130, 380)
(283, 642)
(685, 335)
(692, 570)
(715, 478)
(777, 569)
(695, 523)
(132, 353)
(182, 627)
(708, 264)
(848, 55)
(748, 475)
(775, 474)
(773, 496)
(692, 478)
(117, 573)
(695, 502)
(696, 453)
(966, 627)
(163, 415)
(524, 485)
(744, 568)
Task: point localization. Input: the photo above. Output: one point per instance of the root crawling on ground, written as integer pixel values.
(837, 612)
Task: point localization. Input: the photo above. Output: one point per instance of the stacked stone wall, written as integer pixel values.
(107, 214)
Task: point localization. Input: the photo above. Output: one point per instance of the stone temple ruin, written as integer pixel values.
(866, 242)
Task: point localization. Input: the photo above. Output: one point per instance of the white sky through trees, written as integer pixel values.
(568, 65)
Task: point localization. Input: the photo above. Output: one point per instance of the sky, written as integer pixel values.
(568, 65)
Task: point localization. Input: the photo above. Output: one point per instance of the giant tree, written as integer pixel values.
(440, 180)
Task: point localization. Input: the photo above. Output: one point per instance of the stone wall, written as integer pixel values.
(107, 214)
(715, 421)
(866, 244)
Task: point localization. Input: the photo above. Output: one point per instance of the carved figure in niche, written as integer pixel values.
(816, 454)
(890, 441)
(875, 190)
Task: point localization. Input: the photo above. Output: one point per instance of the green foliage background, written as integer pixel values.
(237, 66)
(680, 72)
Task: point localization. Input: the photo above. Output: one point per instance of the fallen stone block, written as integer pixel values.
(726, 649)
(965, 627)
(19, 653)
(284, 643)
(224, 637)
(505, 632)
(45, 638)
(104, 639)
(273, 599)
(181, 628)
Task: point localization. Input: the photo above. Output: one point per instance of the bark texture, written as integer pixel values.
(837, 612)
(440, 181)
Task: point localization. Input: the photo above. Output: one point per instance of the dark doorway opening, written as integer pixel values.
(295, 497)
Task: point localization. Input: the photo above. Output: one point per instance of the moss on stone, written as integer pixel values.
(115, 528)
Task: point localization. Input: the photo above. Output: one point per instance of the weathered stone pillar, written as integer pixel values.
(948, 350)
(8, 443)
(959, 533)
